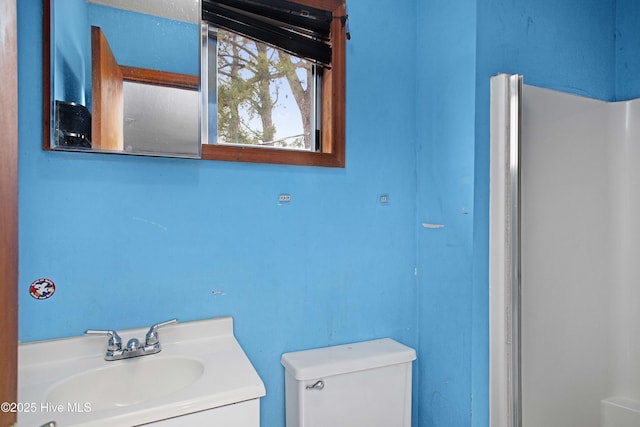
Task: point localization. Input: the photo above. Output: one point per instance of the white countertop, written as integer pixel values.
(228, 376)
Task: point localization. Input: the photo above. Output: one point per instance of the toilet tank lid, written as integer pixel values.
(341, 359)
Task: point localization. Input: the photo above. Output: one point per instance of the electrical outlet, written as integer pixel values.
(284, 198)
(384, 199)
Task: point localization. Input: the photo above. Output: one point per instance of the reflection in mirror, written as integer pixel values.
(125, 76)
(150, 114)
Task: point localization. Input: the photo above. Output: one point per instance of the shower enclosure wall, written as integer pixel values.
(565, 305)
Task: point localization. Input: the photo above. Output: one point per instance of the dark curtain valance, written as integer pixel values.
(300, 30)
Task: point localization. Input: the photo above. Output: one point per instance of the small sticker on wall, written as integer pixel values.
(42, 288)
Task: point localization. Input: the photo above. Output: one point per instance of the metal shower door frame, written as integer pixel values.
(505, 407)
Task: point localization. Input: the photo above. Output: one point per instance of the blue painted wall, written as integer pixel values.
(130, 241)
(627, 38)
(445, 110)
(566, 46)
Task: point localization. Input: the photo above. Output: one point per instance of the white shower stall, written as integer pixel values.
(565, 259)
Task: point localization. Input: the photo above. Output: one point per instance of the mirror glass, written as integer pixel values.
(125, 76)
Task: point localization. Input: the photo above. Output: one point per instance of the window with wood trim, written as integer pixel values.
(298, 49)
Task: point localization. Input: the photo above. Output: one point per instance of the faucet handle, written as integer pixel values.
(152, 336)
(114, 343)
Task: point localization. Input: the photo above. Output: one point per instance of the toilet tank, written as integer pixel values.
(361, 384)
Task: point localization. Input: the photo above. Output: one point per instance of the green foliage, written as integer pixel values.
(250, 78)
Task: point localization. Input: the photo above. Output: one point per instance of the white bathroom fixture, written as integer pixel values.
(201, 377)
(619, 412)
(361, 384)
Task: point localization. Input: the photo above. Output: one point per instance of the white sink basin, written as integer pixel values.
(127, 382)
(201, 366)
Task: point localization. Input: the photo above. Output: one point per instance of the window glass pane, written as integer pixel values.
(265, 97)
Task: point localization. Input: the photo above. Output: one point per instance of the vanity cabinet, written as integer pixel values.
(243, 414)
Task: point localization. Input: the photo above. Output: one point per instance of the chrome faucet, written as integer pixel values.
(133, 348)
